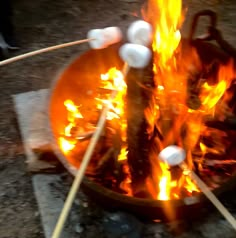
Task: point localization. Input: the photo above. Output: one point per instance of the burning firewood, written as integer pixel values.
(139, 131)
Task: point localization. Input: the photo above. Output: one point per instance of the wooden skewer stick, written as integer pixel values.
(210, 195)
(37, 52)
(85, 161)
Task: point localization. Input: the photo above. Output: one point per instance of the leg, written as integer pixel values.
(6, 26)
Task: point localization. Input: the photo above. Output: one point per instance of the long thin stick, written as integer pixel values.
(36, 52)
(80, 174)
(211, 196)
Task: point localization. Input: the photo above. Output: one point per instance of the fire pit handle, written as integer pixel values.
(213, 20)
(213, 32)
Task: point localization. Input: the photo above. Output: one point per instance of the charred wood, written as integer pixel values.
(140, 99)
(228, 124)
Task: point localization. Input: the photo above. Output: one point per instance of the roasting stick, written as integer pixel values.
(81, 171)
(97, 39)
(210, 195)
(173, 156)
(37, 52)
(135, 56)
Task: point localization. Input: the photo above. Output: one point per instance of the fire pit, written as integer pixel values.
(186, 99)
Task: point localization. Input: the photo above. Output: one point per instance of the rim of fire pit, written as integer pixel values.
(144, 208)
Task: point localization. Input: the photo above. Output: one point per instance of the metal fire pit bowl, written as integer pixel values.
(78, 82)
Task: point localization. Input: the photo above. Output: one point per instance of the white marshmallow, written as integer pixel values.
(173, 155)
(101, 38)
(136, 56)
(98, 40)
(140, 32)
(112, 35)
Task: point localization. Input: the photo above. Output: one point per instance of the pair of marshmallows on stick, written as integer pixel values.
(136, 54)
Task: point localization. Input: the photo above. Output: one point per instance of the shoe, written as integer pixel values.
(11, 42)
(3, 48)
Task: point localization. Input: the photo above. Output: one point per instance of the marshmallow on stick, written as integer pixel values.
(136, 56)
(140, 32)
(97, 39)
(101, 38)
(173, 156)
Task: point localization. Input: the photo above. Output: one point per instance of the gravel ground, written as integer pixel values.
(44, 23)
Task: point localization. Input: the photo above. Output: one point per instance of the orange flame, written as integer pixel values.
(73, 114)
(173, 113)
(113, 80)
(212, 94)
(165, 183)
(123, 154)
(165, 17)
(190, 186)
(66, 145)
(167, 186)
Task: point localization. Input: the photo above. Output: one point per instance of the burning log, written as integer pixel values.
(228, 124)
(139, 131)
